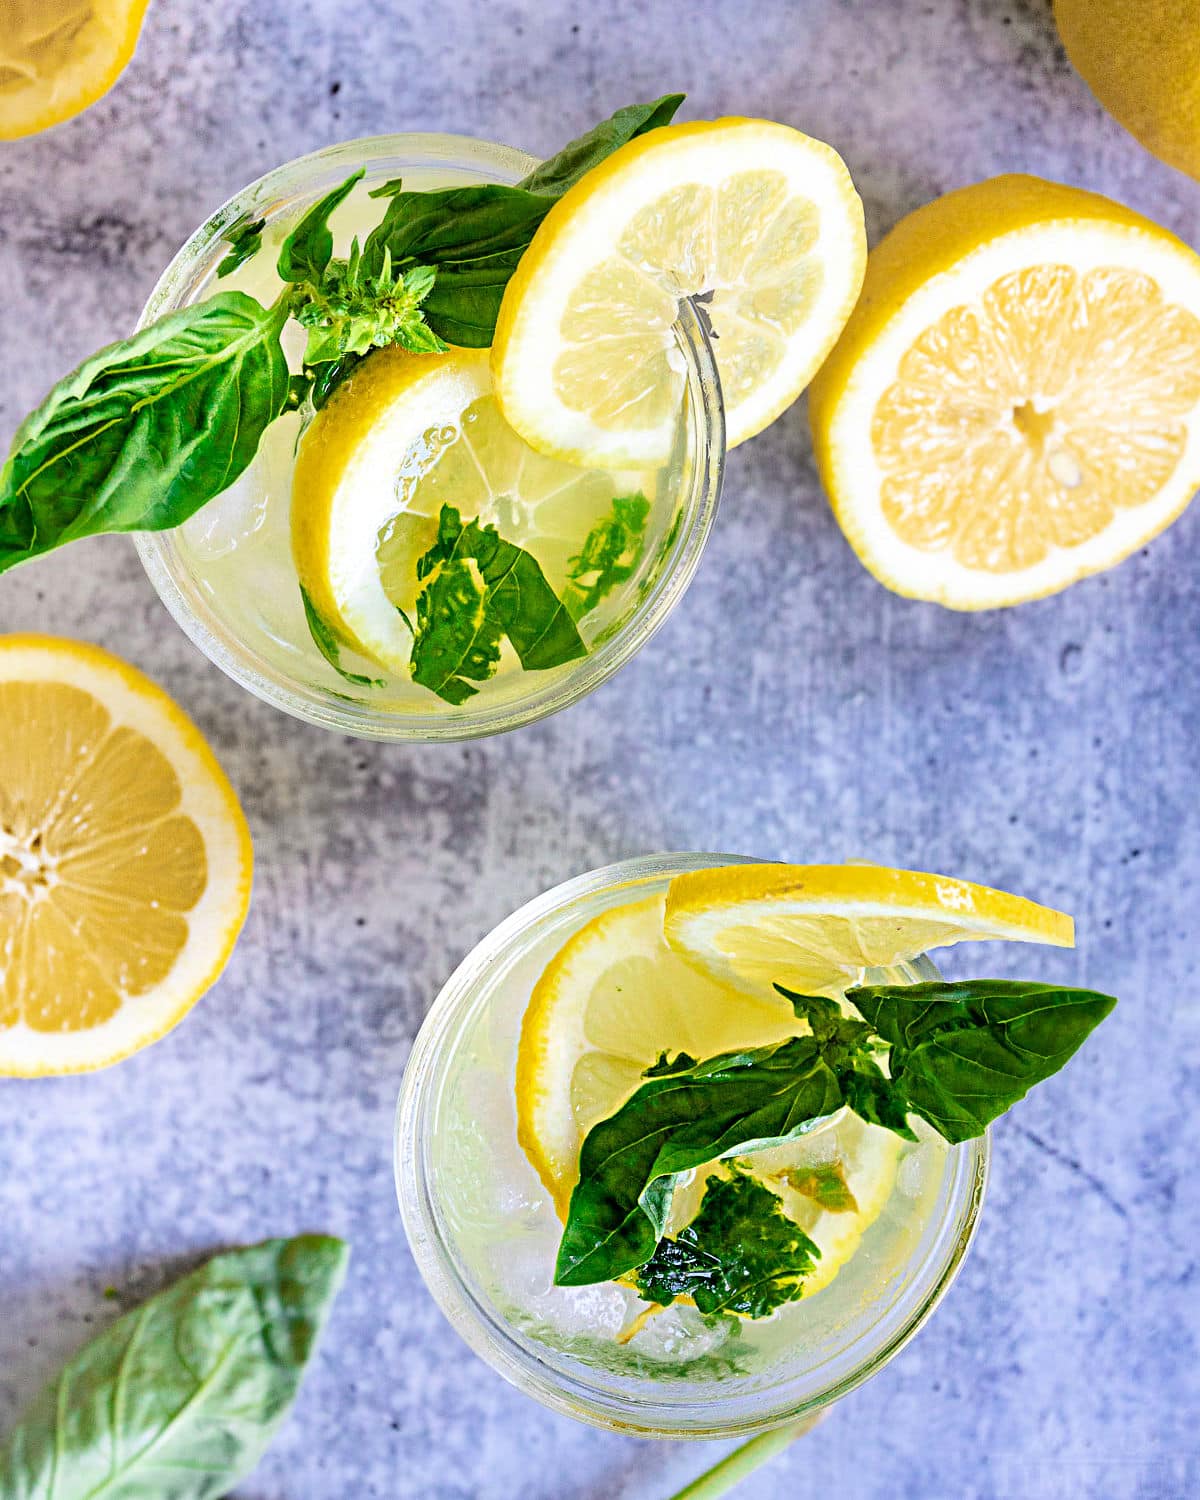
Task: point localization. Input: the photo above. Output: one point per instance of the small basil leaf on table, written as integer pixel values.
(740, 1254)
(306, 252)
(329, 646)
(244, 241)
(964, 1053)
(478, 590)
(178, 1399)
(148, 430)
(730, 1104)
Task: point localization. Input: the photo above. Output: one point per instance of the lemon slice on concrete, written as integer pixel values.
(125, 860)
(403, 436)
(608, 1003)
(758, 218)
(59, 56)
(1015, 402)
(815, 928)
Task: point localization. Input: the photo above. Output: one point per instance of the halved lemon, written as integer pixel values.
(125, 860)
(1015, 402)
(403, 436)
(758, 218)
(59, 56)
(608, 1003)
(816, 928)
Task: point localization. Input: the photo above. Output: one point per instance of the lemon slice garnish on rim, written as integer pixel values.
(762, 221)
(125, 860)
(1015, 402)
(59, 56)
(816, 928)
(403, 436)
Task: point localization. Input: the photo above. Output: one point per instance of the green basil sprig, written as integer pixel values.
(960, 1055)
(179, 1398)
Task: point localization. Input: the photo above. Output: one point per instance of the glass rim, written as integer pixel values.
(526, 1363)
(174, 581)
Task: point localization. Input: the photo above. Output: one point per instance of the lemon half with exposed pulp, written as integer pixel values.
(760, 220)
(125, 860)
(1015, 402)
(59, 56)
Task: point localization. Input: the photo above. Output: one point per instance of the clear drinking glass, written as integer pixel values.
(484, 1232)
(227, 574)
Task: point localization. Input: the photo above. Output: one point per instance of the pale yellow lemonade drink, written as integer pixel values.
(234, 563)
(484, 1196)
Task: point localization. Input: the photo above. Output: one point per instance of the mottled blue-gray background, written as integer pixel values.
(791, 708)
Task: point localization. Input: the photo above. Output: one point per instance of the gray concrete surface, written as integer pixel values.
(791, 708)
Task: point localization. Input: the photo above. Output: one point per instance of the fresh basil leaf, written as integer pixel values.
(145, 432)
(563, 170)
(964, 1053)
(609, 555)
(740, 1254)
(475, 236)
(179, 1399)
(478, 590)
(329, 646)
(729, 1105)
(307, 251)
(353, 311)
(244, 241)
(665, 1065)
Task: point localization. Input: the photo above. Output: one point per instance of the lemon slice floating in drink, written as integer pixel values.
(125, 860)
(404, 436)
(1015, 402)
(761, 220)
(59, 56)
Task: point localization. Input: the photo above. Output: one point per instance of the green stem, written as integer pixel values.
(743, 1461)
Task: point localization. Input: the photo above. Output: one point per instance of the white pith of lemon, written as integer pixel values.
(816, 928)
(403, 436)
(125, 860)
(761, 217)
(1015, 403)
(59, 56)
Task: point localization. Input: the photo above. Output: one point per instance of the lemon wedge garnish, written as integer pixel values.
(1015, 403)
(59, 56)
(761, 220)
(815, 928)
(125, 860)
(403, 436)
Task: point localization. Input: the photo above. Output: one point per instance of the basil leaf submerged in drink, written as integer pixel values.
(958, 1055)
(480, 590)
(181, 1397)
(740, 1254)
